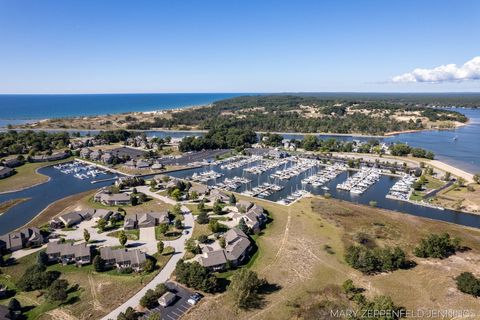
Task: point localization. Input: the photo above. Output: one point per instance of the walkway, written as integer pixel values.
(167, 271)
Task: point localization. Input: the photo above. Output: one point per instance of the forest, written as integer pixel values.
(309, 114)
(23, 142)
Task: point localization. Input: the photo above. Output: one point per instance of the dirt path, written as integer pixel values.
(60, 314)
(282, 244)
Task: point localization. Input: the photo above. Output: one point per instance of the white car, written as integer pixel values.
(194, 298)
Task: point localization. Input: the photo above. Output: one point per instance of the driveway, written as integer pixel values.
(166, 272)
(147, 236)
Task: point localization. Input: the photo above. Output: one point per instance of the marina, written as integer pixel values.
(360, 181)
(79, 170)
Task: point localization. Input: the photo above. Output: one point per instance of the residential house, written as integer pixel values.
(145, 220)
(53, 157)
(68, 252)
(106, 158)
(6, 172)
(200, 189)
(25, 238)
(122, 258)
(113, 199)
(85, 153)
(236, 249)
(96, 155)
(12, 162)
(243, 205)
(101, 214)
(219, 195)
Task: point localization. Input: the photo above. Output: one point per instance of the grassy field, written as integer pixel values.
(302, 252)
(97, 293)
(26, 176)
(460, 198)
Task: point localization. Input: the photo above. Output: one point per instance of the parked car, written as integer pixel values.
(185, 231)
(194, 298)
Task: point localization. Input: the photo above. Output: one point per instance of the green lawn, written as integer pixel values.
(26, 176)
(131, 234)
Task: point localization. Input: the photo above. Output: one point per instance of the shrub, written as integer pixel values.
(36, 277)
(57, 292)
(375, 260)
(244, 288)
(468, 283)
(196, 276)
(437, 246)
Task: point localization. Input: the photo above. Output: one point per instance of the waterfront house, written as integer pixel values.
(200, 189)
(141, 164)
(122, 258)
(219, 195)
(25, 238)
(85, 153)
(12, 162)
(106, 158)
(6, 172)
(244, 205)
(112, 199)
(157, 166)
(236, 249)
(53, 157)
(96, 155)
(68, 252)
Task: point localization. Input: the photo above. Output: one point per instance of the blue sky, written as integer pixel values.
(235, 46)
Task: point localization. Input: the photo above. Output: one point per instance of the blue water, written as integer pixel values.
(60, 186)
(37, 106)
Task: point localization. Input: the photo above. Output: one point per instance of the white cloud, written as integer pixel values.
(444, 73)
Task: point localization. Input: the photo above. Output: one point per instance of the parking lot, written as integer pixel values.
(179, 307)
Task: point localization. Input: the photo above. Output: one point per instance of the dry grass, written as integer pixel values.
(460, 198)
(292, 255)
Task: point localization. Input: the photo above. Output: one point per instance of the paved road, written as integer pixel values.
(167, 271)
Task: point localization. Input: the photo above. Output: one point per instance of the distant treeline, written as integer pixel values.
(220, 138)
(280, 113)
(29, 142)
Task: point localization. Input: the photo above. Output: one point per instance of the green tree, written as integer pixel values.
(129, 314)
(232, 200)
(122, 238)
(217, 208)
(86, 235)
(14, 307)
(101, 224)
(176, 194)
(98, 264)
(42, 258)
(476, 178)
(178, 224)
(160, 247)
(163, 228)
(193, 195)
(242, 226)
(438, 246)
(468, 283)
(133, 200)
(57, 292)
(214, 225)
(155, 316)
(244, 288)
(222, 242)
(177, 209)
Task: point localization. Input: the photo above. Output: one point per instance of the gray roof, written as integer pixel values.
(213, 258)
(123, 256)
(115, 197)
(68, 249)
(102, 213)
(5, 170)
(71, 218)
(237, 249)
